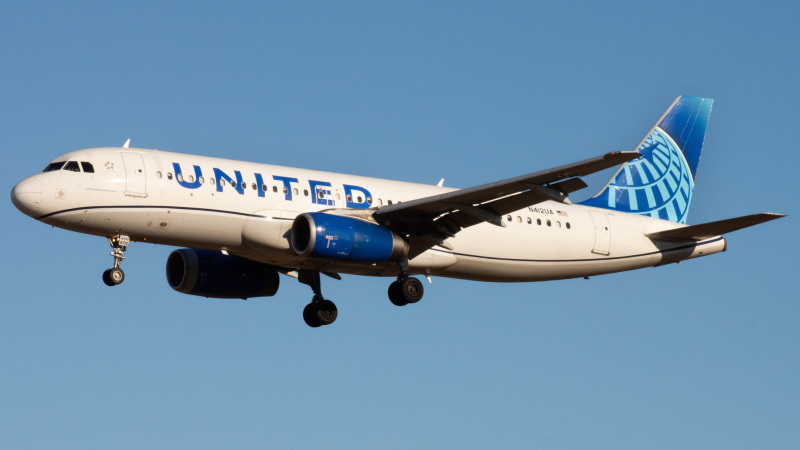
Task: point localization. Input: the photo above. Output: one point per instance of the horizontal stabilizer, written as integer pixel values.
(711, 229)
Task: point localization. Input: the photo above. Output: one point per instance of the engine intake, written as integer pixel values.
(345, 238)
(211, 274)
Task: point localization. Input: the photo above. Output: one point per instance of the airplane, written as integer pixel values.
(244, 223)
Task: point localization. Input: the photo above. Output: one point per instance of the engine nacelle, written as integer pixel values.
(345, 238)
(212, 274)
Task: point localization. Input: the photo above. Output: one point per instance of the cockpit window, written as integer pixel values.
(72, 166)
(87, 167)
(53, 166)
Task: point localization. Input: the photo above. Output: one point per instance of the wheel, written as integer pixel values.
(395, 296)
(411, 290)
(321, 312)
(326, 312)
(113, 277)
(310, 316)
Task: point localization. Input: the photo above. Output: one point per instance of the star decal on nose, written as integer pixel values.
(109, 165)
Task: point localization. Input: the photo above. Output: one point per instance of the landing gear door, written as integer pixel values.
(135, 175)
(602, 233)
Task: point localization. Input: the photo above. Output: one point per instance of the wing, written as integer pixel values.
(711, 229)
(441, 216)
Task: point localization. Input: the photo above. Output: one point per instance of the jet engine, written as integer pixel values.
(345, 238)
(211, 274)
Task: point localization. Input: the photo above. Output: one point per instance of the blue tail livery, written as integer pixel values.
(660, 183)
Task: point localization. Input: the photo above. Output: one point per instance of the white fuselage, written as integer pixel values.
(160, 197)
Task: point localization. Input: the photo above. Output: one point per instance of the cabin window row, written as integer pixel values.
(265, 188)
(548, 222)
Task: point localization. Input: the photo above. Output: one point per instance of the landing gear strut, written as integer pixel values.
(320, 311)
(115, 275)
(406, 289)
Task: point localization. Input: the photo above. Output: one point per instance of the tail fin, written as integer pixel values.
(660, 182)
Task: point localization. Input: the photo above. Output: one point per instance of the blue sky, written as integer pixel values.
(705, 354)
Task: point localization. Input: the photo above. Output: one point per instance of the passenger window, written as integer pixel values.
(558, 224)
(54, 166)
(568, 225)
(72, 166)
(274, 188)
(264, 187)
(548, 223)
(508, 218)
(296, 191)
(519, 219)
(169, 175)
(359, 199)
(285, 190)
(254, 186)
(349, 198)
(179, 177)
(529, 221)
(388, 202)
(538, 221)
(201, 180)
(369, 200)
(212, 181)
(338, 197)
(305, 192)
(87, 167)
(158, 175)
(191, 178)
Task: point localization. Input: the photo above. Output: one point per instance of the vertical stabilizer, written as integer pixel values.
(660, 182)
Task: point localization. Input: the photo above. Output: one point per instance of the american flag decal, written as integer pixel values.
(562, 213)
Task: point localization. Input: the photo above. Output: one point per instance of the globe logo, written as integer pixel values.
(658, 184)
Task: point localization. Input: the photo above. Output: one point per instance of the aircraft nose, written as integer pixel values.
(27, 196)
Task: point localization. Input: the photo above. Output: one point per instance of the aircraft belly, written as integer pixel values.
(160, 226)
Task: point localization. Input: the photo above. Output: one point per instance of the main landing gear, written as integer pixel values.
(115, 275)
(406, 289)
(320, 311)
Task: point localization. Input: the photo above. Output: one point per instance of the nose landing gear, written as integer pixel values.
(115, 275)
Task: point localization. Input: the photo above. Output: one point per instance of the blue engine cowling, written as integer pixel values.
(211, 274)
(345, 238)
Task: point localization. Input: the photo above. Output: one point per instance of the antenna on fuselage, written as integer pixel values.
(126, 144)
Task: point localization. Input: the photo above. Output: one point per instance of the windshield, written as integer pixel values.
(54, 166)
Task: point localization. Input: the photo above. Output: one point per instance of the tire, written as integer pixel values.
(107, 278)
(113, 277)
(411, 289)
(395, 296)
(310, 316)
